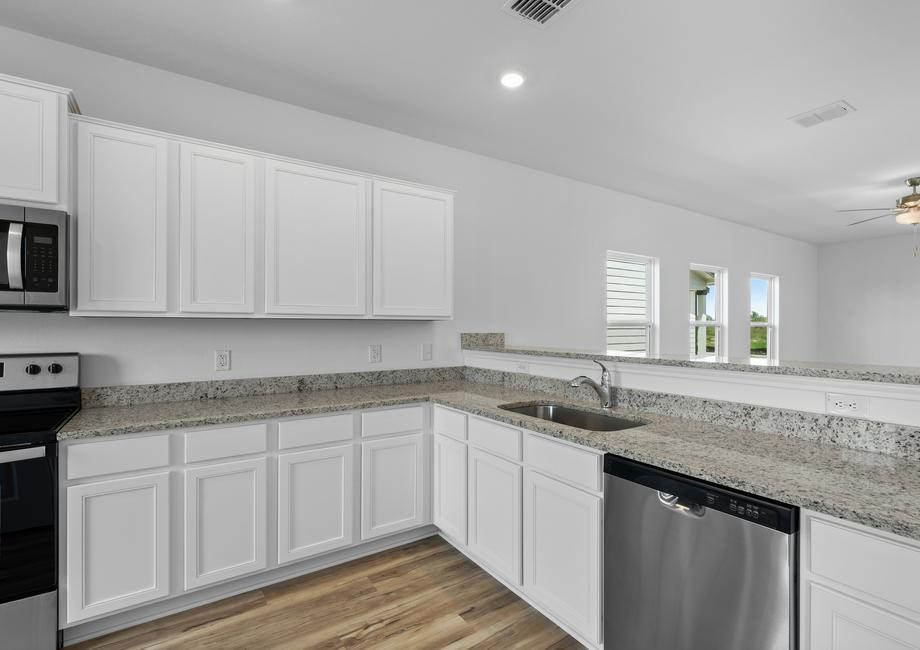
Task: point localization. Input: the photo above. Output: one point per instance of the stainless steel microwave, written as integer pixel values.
(33, 259)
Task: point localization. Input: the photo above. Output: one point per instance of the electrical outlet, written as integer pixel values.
(221, 359)
(522, 366)
(427, 351)
(375, 353)
(856, 406)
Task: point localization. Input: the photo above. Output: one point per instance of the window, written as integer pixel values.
(764, 334)
(707, 312)
(632, 311)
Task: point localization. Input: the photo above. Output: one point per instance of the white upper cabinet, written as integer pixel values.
(121, 219)
(175, 227)
(217, 221)
(315, 241)
(32, 133)
(413, 251)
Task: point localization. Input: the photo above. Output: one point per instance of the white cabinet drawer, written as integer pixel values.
(449, 422)
(226, 442)
(120, 455)
(315, 431)
(389, 421)
(875, 565)
(498, 438)
(579, 467)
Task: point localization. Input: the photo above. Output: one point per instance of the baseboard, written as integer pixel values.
(182, 602)
(520, 594)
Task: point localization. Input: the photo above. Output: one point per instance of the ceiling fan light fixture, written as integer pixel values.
(909, 217)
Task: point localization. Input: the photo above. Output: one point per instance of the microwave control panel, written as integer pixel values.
(41, 255)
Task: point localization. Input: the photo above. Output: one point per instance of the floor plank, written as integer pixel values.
(422, 595)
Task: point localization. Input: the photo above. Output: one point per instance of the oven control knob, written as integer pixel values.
(55, 368)
(33, 369)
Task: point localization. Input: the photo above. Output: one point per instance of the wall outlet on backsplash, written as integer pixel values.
(221, 359)
(522, 366)
(427, 351)
(855, 406)
(375, 353)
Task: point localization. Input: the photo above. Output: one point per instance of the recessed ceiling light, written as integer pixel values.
(512, 79)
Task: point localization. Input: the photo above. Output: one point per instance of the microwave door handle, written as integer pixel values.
(14, 256)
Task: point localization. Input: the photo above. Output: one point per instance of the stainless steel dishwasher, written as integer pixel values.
(693, 566)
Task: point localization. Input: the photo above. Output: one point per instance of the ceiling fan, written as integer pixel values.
(906, 211)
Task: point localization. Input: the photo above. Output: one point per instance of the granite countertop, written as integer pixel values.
(869, 488)
(854, 372)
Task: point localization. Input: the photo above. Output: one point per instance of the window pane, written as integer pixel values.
(703, 341)
(759, 336)
(760, 300)
(703, 298)
(627, 291)
(627, 339)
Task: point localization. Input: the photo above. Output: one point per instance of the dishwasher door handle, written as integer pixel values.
(682, 506)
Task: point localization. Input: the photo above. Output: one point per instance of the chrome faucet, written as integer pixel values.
(604, 390)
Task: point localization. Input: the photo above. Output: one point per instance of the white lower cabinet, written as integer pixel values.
(495, 513)
(225, 521)
(839, 622)
(563, 552)
(859, 587)
(392, 485)
(449, 490)
(117, 544)
(315, 496)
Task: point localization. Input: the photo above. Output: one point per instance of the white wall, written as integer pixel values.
(869, 302)
(530, 247)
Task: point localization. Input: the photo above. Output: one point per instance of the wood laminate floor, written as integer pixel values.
(423, 595)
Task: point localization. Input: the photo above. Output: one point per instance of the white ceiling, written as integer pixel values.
(681, 101)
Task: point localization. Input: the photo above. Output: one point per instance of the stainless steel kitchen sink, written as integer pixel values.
(574, 417)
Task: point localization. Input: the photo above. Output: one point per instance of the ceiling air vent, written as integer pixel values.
(823, 114)
(538, 12)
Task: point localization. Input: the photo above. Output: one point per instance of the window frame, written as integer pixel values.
(721, 316)
(650, 323)
(772, 322)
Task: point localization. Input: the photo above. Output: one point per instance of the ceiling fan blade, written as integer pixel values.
(881, 216)
(865, 210)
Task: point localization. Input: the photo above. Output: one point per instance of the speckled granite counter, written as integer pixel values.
(869, 488)
(854, 372)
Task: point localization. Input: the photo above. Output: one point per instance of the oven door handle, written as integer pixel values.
(21, 454)
(14, 256)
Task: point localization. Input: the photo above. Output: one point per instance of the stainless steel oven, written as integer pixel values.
(33, 259)
(38, 394)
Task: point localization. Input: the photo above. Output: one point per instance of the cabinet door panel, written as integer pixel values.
(121, 219)
(217, 219)
(495, 513)
(413, 251)
(392, 485)
(315, 240)
(30, 133)
(562, 552)
(315, 502)
(449, 510)
(117, 544)
(838, 622)
(225, 521)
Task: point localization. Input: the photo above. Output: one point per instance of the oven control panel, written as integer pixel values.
(38, 371)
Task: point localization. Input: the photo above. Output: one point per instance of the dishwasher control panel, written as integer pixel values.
(737, 504)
